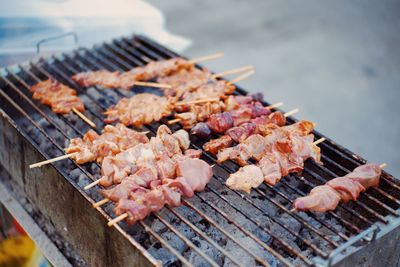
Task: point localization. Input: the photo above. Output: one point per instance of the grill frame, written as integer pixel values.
(334, 257)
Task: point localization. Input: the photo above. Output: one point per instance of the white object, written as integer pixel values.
(24, 23)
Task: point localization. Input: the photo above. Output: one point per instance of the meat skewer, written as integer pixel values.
(157, 180)
(193, 175)
(247, 126)
(116, 167)
(326, 197)
(136, 76)
(275, 164)
(139, 109)
(61, 98)
(94, 147)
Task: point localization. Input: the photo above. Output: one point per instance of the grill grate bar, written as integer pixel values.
(251, 235)
(264, 212)
(203, 235)
(164, 243)
(189, 225)
(186, 240)
(216, 225)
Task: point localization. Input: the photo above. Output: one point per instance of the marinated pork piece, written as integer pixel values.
(220, 122)
(184, 80)
(283, 137)
(202, 130)
(215, 145)
(140, 201)
(245, 178)
(326, 197)
(321, 198)
(58, 96)
(157, 152)
(114, 139)
(138, 110)
(260, 125)
(125, 80)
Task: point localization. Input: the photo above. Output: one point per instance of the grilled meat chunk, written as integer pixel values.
(58, 96)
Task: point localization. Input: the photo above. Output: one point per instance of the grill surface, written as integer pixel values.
(219, 226)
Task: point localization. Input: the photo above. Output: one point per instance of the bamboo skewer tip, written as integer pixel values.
(84, 118)
(100, 203)
(173, 121)
(276, 105)
(241, 77)
(151, 84)
(92, 184)
(39, 164)
(233, 71)
(383, 165)
(117, 219)
(208, 57)
(322, 139)
(292, 112)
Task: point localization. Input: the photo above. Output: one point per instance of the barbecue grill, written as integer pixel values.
(219, 226)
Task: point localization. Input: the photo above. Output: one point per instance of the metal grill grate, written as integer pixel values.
(220, 225)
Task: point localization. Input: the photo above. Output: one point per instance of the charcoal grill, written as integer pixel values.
(219, 226)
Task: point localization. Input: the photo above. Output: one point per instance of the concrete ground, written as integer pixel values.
(338, 61)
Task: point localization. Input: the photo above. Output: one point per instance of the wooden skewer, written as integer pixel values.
(39, 164)
(173, 121)
(101, 202)
(319, 141)
(383, 165)
(199, 101)
(117, 219)
(84, 118)
(290, 113)
(205, 58)
(233, 71)
(241, 77)
(150, 84)
(274, 105)
(92, 184)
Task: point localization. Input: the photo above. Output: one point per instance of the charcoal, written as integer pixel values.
(162, 254)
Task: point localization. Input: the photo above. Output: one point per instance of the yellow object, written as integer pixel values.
(20, 251)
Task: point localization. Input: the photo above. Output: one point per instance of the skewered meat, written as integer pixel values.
(113, 140)
(215, 145)
(201, 129)
(326, 197)
(248, 177)
(126, 80)
(193, 175)
(58, 96)
(166, 145)
(220, 122)
(321, 198)
(184, 80)
(139, 109)
(255, 145)
(139, 201)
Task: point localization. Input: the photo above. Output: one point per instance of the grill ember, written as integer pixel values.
(218, 226)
